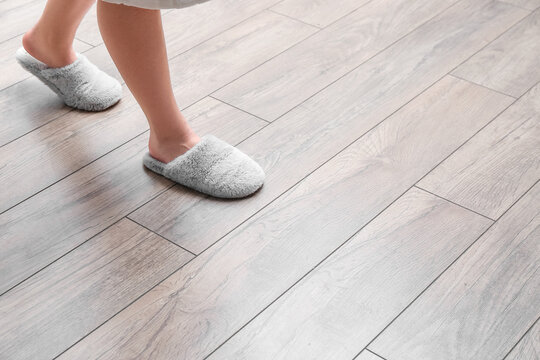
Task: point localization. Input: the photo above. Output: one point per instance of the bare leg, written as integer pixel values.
(51, 39)
(135, 40)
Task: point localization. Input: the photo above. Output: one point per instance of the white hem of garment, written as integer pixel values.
(158, 4)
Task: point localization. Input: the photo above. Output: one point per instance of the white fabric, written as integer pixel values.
(158, 4)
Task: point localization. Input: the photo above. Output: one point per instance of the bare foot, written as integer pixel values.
(167, 150)
(48, 51)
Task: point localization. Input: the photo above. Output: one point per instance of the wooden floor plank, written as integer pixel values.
(498, 165)
(179, 25)
(285, 81)
(346, 301)
(526, 4)
(510, 63)
(29, 104)
(312, 133)
(56, 220)
(196, 73)
(53, 151)
(528, 347)
(208, 20)
(220, 60)
(187, 27)
(317, 12)
(18, 16)
(367, 355)
(51, 311)
(484, 303)
(26, 106)
(328, 175)
(12, 72)
(200, 306)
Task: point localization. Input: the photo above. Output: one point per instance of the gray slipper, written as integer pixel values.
(80, 84)
(213, 167)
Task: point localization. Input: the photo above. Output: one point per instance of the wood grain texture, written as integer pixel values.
(498, 165)
(51, 311)
(29, 104)
(528, 347)
(292, 77)
(526, 4)
(26, 106)
(185, 28)
(200, 71)
(346, 301)
(510, 63)
(484, 303)
(233, 53)
(12, 72)
(201, 305)
(18, 16)
(367, 355)
(53, 151)
(312, 133)
(195, 77)
(44, 227)
(317, 12)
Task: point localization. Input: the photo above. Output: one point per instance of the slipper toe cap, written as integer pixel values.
(97, 95)
(83, 85)
(235, 176)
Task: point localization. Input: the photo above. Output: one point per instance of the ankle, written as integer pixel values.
(167, 148)
(47, 49)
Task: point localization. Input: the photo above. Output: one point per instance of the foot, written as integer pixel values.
(166, 150)
(80, 83)
(213, 167)
(50, 53)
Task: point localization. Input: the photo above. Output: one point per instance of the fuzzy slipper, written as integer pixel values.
(80, 84)
(212, 167)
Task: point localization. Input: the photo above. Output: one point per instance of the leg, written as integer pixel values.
(134, 38)
(51, 39)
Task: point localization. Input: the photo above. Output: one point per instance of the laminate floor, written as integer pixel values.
(400, 216)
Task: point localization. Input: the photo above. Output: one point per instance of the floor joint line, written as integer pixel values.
(454, 203)
(162, 237)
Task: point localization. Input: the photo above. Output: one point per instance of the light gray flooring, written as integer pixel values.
(400, 216)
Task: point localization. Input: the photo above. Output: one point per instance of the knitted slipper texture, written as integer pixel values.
(212, 167)
(81, 84)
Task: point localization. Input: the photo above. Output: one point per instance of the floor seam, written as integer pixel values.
(237, 108)
(155, 233)
(444, 271)
(453, 202)
(383, 358)
(293, 18)
(210, 95)
(483, 86)
(521, 338)
(127, 216)
(102, 44)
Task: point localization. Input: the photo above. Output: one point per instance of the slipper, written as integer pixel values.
(80, 84)
(213, 167)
